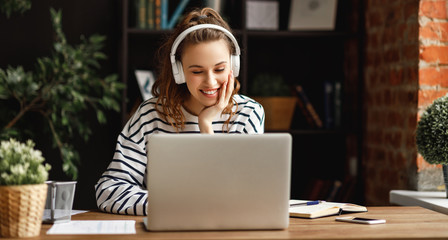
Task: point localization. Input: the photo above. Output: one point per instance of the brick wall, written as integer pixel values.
(390, 98)
(433, 75)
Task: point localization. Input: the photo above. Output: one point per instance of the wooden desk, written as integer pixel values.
(402, 223)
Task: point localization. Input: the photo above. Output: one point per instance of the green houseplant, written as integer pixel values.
(432, 135)
(272, 92)
(22, 189)
(9, 7)
(58, 94)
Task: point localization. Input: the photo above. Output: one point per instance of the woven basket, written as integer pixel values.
(21, 209)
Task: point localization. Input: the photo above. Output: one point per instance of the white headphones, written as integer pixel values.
(178, 71)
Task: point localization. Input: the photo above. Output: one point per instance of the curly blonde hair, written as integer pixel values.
(170, 95)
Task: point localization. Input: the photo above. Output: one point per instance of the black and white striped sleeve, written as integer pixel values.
(122, 187)
(255, 121)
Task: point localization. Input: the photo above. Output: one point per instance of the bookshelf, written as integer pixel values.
(308, 58)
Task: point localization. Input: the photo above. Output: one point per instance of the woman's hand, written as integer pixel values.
(206, 116)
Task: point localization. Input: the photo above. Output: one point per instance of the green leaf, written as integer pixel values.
(101, 117)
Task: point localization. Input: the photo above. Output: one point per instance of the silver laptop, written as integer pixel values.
(218, 182)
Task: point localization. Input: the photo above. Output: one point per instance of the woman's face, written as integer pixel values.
(206, 67)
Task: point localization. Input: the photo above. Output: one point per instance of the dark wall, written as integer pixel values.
(25, 37)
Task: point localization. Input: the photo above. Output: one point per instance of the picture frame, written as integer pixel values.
(145, 80)
(262, 15)
(312, 15)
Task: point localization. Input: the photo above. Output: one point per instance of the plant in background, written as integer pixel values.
(61, 89)
(9, 7)
(265, 85)
(21, 164)
(432, 132)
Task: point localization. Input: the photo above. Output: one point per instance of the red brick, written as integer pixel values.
(408, 99)
(374, 117)
(434, 76)
(378, 155)
(411, 9)
(410, 53)
(372, 40)
(410, 139)
(392, 55)
(376, 137)
(426, 97)
(374, 19)
(412, 33)
(434, 54)
(390, 35)
(393, 139)
(370, 62)
(387, 98)
(378, 99)
(396, 76)
(434, 30)
(433, 9)
(400, 161)
(411, 75)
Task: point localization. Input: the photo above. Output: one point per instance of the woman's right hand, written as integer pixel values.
(206, 116)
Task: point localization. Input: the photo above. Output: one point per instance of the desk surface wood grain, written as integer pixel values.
(402, 223)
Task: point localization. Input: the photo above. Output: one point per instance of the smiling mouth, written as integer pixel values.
(209, 92)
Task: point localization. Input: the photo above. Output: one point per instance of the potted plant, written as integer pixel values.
(271, 91)
(57, 95)
(23, 190)
(432, 135)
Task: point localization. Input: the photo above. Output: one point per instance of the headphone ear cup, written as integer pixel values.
(235, 65)
(179, 77)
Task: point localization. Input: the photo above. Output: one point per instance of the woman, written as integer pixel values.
(195, 92)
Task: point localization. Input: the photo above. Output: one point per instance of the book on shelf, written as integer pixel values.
(307, 108)
(177, 13)
(337, 104)
(154, 14)
(164, 14)
(332, 104)
(140, 12)
(158, 14)
(150, 14)
(322, 209)
(329, 105)
(305, 113)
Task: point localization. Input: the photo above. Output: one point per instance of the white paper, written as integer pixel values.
(94, 227)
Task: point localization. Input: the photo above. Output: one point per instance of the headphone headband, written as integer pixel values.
(177, 69)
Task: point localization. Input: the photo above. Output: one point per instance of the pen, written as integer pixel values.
(306, 203)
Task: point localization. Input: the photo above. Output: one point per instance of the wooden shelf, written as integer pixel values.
(295, 34)
(306, 57)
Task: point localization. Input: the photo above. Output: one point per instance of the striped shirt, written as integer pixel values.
(122, 187)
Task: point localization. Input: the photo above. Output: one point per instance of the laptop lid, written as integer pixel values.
(218, 182)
